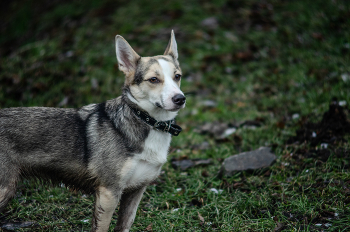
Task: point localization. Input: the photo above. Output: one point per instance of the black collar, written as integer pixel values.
(165, 126)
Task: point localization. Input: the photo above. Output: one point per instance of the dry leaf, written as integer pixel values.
(200, 218)
(279, 227)
(149, 227)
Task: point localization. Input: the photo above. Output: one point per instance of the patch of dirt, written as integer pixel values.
(331, 129)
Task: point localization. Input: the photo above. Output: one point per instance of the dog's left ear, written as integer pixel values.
(171, 49)
(127, 57)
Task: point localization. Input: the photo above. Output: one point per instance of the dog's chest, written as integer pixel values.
(145, 167)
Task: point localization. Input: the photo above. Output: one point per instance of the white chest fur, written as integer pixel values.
(145, 167)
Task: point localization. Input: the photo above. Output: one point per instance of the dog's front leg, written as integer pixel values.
(127, 210)
(105, 204)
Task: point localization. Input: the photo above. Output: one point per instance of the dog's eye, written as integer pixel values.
(154, 80)
(177, 77)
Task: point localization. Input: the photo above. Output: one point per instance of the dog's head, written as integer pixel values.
(153, 83)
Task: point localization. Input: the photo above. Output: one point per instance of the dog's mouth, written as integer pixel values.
(176, 108)
(159, 105)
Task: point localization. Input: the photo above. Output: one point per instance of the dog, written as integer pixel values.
(112, 149)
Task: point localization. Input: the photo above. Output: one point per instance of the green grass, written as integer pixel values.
(264, 60)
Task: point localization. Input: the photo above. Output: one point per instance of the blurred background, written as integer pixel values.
(261, 67)
(237, 57)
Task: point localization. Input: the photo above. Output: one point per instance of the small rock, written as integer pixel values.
(94, 84)
(187, 163)
(229, 35)
(228, 70)
(252, 160)
(208, 103)
(295, 116)
(63, 102)
(182, 164)
(210, 23)
(218, 130)
(228, 132)
(324, 145)
(16, 225)
(202, 146)
(345, 77)
(342, 103)
(194, 111)
(249, 123)
(214, 190)
(69, 54)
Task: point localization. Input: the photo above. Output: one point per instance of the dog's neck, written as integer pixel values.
(155, 112)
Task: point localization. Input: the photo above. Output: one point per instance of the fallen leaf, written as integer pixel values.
(149, 227)
(317, 36)
(280, 124)
(244, 56)
(205, 173)
(198, 162)
(240, 104)
(279, 227)
(236, 185)
(200, 218)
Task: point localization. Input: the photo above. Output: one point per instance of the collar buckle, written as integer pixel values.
(167, 127)
(157, 125)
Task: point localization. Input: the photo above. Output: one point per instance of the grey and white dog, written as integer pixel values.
(103, 148)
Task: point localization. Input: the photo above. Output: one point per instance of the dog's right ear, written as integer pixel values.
(127, 57)
(171, 49)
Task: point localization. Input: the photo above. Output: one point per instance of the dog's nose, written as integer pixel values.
(179, 99)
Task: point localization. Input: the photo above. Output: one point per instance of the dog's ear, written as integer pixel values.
(171, 49)
(127, 57)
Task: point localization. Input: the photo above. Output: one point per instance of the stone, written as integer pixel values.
(185, 164)
(251, 160)
(182, 164)
(210, 23)
(16, 225)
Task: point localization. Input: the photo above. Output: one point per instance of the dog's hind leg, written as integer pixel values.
(127, 210)
(8, 181)
(105, 204)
